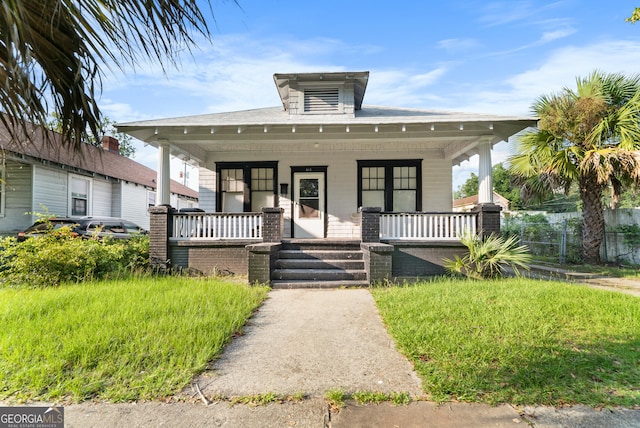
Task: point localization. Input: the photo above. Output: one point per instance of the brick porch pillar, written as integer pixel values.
(272, 224)
(488, 219)
(262, 257)
(370, 224)
(160, 224)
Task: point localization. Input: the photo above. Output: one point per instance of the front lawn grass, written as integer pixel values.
(518, 341)
(116, 340)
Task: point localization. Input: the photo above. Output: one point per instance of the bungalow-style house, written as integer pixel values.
(322, 171)
(36, 176)
(469, 203)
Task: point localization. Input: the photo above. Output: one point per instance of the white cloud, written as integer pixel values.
(457, 45)
(506, 12)
(394, 87)
(549, 36)
(522, 12)
(517, 93)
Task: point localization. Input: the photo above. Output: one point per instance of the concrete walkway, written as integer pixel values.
(310, 341)
(623, 285)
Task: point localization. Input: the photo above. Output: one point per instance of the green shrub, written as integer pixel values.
(489, 258)
(59, 257)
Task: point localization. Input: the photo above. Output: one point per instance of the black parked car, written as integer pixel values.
(85, 227)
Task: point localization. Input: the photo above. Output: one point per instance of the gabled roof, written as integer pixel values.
(91, 160)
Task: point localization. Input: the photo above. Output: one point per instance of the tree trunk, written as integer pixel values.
(592, 219)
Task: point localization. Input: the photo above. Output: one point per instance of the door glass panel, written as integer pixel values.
(309, 203)
(309, 187)
(309, 208)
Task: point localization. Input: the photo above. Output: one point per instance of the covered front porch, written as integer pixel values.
(304, 169)
(391, 245)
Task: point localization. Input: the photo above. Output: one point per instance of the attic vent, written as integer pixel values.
(325, 100)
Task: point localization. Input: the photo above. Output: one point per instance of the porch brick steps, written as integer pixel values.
(322, 254)
(318, 284)
(319, 274)
(319, 264)
(304, 263)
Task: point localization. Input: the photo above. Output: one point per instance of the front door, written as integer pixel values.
(308, 204)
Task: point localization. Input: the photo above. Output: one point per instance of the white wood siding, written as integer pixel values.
(50, 190)
(17, 198)
(102, 198)
(436, 185)
(207, 189)
(342, 209)
(134, 204)
(116, 199)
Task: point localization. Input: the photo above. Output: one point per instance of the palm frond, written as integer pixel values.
(490, 257)
(53, 53)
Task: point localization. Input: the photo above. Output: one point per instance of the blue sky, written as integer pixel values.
(475, 56)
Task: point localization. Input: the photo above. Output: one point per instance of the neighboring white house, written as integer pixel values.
(94, 181)
(468, 204)
(323, 154)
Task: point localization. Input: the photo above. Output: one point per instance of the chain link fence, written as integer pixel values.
(559, 242)
(558, 237)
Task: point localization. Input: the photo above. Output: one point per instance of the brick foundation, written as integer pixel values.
(261, 261)
(377, 261)
(418, 259)
(211, 257)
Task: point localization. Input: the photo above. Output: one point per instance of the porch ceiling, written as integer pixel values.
(456, 134)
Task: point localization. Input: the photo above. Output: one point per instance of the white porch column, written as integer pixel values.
(485, 180)
(163, 194)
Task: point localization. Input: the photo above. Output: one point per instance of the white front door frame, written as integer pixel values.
(309, 203)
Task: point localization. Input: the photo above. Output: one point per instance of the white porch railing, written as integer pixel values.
(217, 226)
(426, 226)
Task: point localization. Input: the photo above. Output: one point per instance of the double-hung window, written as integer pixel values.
(80, 191)
(391, 185)
(246, 187)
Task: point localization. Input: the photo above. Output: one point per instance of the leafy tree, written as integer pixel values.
(468, 188)
(502, 184)
(635, 16)
(52, 54)
(107, 127)
(589, 136)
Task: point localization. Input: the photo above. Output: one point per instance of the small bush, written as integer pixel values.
(59, 257)
(489, 258)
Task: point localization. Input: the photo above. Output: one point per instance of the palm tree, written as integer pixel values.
(52, 53)
(589, 136)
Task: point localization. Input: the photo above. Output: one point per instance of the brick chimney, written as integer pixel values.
(110, 144)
